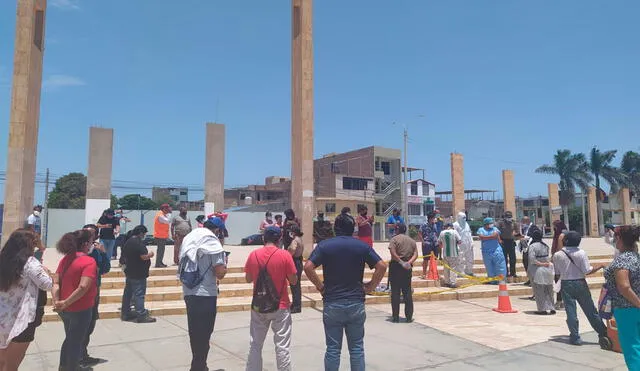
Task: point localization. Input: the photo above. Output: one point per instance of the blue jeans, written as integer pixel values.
(628, 321)
(134, 292)
(344, 317)
(494, 262)
(578, 291)
(109, 246)
(76, 327)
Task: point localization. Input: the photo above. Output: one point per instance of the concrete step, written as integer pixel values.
(171, 280)
(172, 270)
(314, 299)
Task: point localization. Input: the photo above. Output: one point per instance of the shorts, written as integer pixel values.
(29, 334)
(427, 250)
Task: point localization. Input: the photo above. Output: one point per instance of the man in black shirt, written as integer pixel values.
(108, 225)
(137, 261)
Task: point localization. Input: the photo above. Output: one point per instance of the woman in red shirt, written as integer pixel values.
(74, 293)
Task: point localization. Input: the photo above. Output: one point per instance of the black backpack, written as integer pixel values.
(266, 298)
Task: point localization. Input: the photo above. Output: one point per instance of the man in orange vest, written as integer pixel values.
(161, 224)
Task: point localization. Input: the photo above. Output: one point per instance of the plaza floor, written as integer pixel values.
(452, 335)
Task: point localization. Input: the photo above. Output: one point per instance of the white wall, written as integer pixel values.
(239, 224)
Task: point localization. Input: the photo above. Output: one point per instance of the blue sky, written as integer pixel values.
(505, 83)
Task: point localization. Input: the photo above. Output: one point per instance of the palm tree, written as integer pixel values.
(573, 171)
(630, 166)
(600, 167)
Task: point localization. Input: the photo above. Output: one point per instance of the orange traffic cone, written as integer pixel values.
(433, 269)
(504, 303)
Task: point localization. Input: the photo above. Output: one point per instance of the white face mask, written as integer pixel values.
(93, 247)
(491, 226)
(36, 213)
(168, 215)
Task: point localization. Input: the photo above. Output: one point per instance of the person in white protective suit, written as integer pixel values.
(466, 246)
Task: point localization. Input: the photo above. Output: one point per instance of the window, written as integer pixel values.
(425, 189)
(355, 184)
(330, 208)
(183, 193)
(243, 196)
(428, 208)
(386, 167)
(414, 188)
(38, 34)
(415, 209)
(335, 168)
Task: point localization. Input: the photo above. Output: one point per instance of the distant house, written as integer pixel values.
(421, 200)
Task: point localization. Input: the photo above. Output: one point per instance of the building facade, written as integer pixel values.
(276, 192)
(421, 196)
(368, 176)
(164, 194)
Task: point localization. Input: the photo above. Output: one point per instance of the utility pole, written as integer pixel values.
(46, 208)
(404, 179)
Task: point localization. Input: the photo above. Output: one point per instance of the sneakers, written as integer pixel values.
(295, 310)
(409, 319)
(129, 318)
(559, 305)
(161, 265)
(575, 341)
(395, 320)
(145, 319)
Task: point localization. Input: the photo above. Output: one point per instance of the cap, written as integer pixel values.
(272, 231)
(508, 214)
(165, 206)
(217, 222)
(487, 221)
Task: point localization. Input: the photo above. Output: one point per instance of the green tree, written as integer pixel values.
(573, 171)
(137, 202)
(630, 166)
(601, 168)
(69, 192)
(114, 202)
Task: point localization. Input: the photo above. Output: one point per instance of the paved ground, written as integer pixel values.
(453, 335)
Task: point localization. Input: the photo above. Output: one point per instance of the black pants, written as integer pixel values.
(201, 317)
(525, 260)
(92, 326)
(509, 250)
(296, 290)
(161, 243)
(400, 280)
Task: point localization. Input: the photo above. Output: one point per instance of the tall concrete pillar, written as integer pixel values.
(625, 201)
(214, 169)
(593, 212)
(457, 183)
(99, 174)
(508, 189)
(554, 202)
(25, 114)
(302, 197)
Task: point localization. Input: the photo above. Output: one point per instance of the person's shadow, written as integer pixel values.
(564, 339)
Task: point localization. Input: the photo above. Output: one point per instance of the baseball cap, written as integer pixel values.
(217, 222)
(165, 206)
(487, 221)
(272, 231)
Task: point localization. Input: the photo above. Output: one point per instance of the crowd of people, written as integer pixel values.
(343, 249)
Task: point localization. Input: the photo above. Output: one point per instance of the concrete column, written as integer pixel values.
(593, 212)
(626, 205)
(25, 114)
(554, 201)
(302, 183)
(457, 183)
(508, 189)
(214, 169)
(99, 174)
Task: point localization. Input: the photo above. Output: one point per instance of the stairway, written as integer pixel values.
(164, 292)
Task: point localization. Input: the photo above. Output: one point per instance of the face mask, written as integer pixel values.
(509, 220)
(168, 215)
(118, 215)
(491, 226)
(36, 213)
(269, 219)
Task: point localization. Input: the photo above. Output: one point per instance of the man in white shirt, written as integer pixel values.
(34, 221)
(572, 264)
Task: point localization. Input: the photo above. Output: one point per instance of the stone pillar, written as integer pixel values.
(593, 212)
(508, 189)
(214, 169)
(457, 183)
(99, 174)
(625, 201)
(554, 202)
(302, 183)
(25, 114)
